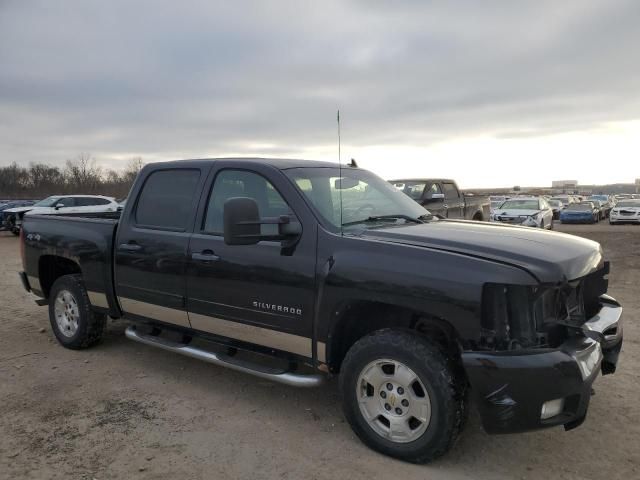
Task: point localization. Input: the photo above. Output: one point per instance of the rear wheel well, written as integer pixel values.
(362, 318)
(52, 267)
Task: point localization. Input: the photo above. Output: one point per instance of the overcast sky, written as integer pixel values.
(490, 93)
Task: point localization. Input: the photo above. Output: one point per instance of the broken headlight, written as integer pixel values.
(517, 316)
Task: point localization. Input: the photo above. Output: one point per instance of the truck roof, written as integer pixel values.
(279, 163)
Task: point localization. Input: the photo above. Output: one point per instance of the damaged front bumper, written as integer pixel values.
(522, 390)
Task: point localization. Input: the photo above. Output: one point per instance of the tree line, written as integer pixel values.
(80, 175)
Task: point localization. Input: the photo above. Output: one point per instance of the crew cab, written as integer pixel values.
(442, 197)
(296, 271)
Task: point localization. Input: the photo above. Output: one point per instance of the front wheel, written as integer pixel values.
(74, 324)
(401, 396)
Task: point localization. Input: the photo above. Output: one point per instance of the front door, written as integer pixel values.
(151, 246)
(261, 294)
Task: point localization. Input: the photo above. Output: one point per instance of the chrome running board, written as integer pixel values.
(280, 376)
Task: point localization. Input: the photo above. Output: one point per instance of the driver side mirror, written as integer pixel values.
(435, 197)
(59, 206)
(242, 224)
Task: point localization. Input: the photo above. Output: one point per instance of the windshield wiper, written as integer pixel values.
(384, 217)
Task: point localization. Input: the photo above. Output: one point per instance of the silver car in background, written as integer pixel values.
(525, 211)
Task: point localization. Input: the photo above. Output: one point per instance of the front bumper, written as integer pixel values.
(577, 219)
(624, 218)
(510, 388)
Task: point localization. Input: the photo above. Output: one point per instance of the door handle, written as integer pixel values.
(130, 247)
(205, 256)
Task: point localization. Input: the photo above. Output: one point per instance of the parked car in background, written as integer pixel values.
(606, 204)
(525, 211)
(583, 212)
(556, 207)
(443, 197)
(625, 211)
(59, 204)
(564, 199)
(9, 204)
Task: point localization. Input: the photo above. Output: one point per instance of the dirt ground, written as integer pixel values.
(124, 410)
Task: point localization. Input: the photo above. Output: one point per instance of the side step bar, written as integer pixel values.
(280, 376)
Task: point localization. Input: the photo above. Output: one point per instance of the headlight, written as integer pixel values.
(589, 359)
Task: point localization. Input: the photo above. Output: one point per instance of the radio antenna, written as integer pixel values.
(340, 173)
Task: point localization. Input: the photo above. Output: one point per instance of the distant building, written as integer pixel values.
(564, 186)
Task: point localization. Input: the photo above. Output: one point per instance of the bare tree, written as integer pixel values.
(83, 174)
(80, 175)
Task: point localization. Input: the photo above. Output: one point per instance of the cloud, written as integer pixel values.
(191, 79)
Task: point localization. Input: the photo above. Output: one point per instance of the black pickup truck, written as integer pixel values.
(442, 197)
(296, 271)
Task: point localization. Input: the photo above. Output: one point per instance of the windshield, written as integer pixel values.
(561, 199)
(365, 196)
(496, 204)
(628, 203)
(555, 203)
(520, 205)
(413, 189)
(580, 207)
(47, 202)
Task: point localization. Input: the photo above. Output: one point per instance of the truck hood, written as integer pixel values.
(550, 257)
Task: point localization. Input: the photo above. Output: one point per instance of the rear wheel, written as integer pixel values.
(401, 396)
(73, 322)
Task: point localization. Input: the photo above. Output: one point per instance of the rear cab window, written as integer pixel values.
(166, 199)
(450, 190)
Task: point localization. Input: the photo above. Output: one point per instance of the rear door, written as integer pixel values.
(151, 245)
(262, 294)
(453, 200)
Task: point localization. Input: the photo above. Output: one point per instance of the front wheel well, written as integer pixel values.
(52, 267)
(362, 318)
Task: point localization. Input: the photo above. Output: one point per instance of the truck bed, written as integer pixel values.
(86, 239)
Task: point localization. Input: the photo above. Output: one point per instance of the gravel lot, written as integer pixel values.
(123, 410)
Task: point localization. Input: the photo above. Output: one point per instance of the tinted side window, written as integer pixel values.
(66, 202)
(240, 183)
(89, 201)
(166, 199)
(450, 190)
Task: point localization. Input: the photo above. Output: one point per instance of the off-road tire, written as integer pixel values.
(443, 381)
(90, 324)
